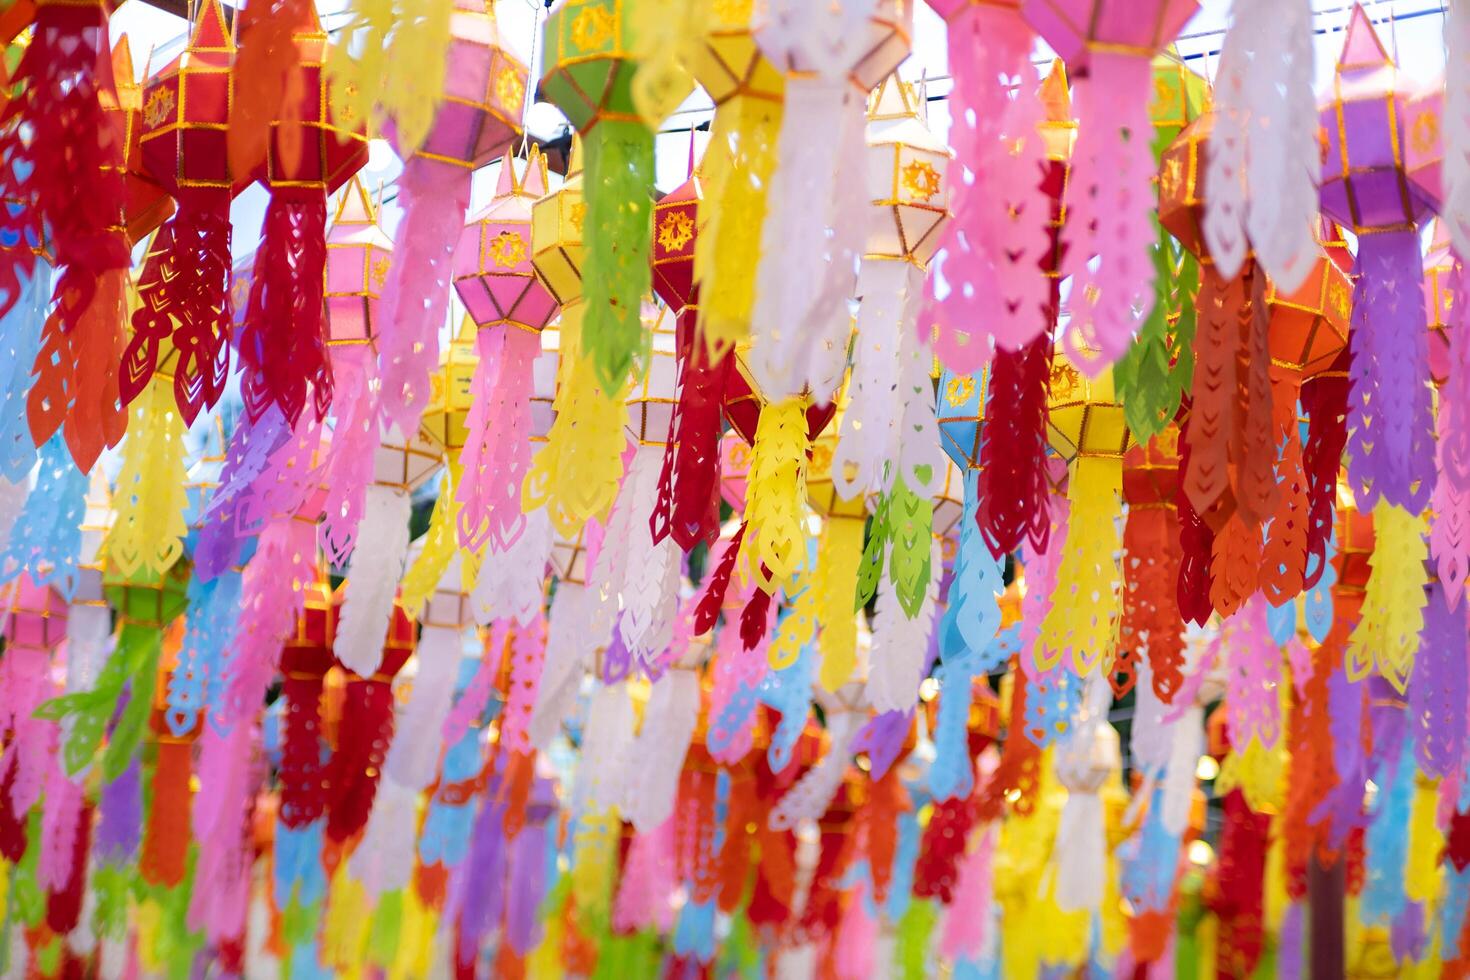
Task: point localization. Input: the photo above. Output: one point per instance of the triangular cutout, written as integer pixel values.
(1055, 94)
(355, 208)
(211, 32)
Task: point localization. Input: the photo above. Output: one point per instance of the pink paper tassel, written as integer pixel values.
(476, 695)
(349, 464)
(416, 297)
(221, 815)
(969, 911)
(497, 453)
(60, 820)
(1109, 202)
(648, 881)
(857, 937)
(992, 251)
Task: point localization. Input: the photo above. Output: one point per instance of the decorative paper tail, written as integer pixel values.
(414, 756)
(20, 329)
(689, 489)
(497, 452)
(416, 297)
(151, 498)
(1013, 483)
(367, 605)
(355, 438)
(282, 341)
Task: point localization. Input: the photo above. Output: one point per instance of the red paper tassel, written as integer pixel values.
(1325, 398)
(941, 847)
(688, 502)
(1240, 880)
(303, 777)
(1457, 841)
(282, 341)
(880, 817)
(1284, 562)
(64, 906)
(185, 294)
(56, 134)
(1151, 623)
(755, 618)
(1196, 546)
(707, 612)
(12, 824)
(1020, 761)
(1235, 564)
(166, 838)
(1209, 433)
(363, 736)
(744, 808)
(1012, 483)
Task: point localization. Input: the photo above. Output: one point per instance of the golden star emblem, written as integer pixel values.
(920, 180)
(959, 390)
(507, 249)
(675, 232)
(1424, 132)
(592, 28)
(510, 88)
(378, 274)
(578, 215)
(1064, 380)
(159, 107)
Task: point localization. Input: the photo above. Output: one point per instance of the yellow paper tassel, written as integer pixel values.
(151, 498)
(414, 956)
(735, 172)
(835, 582)
(1033, 928)
(440, 544)
(576, 474)
(776, 496)
(149, 919)
(344, 935)
(797, 629)
(1207, 943)
(545, 962)
(1393, 607)
(1276, 898)
(1426, 841)
(397, 71)
(1085, 606)
(665, 35)
(594, 868)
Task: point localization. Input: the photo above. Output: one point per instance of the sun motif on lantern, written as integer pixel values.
(1424, 131)
(959, 389)
(1064, 380)
(921, 180)
(675, 231)
(379, 272)
(593, 28)
(578, 215)
(510, 87)
(159, 107)
(507, 249)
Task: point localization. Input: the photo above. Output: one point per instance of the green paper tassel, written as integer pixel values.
(911, 951)
(870, 572)
(911, 522)
(1151, 378)
(618, 236)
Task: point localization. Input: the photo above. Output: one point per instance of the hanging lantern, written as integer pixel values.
(1108, 46)
(1366, 186)
(833, 56)
(477, 120)
(496, 280)
(961, 414)
(146, 204)
(444, 422)
(1309, 326)
(359, 256)
(400, 466)
(589, 68)
(186, 118)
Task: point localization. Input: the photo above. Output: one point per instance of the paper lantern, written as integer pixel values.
(960, 410)
(186, 119)
(557, 249)
(35, 615)
(588, 71)
(359, 257)
(146, 204)
(1108, 45)
(1366, 186)
(476, 120)
(497, 282)
(652, 397)
(451, 394)
(1085, 419)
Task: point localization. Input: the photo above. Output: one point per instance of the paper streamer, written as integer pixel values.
(367, 604)
(660, 749)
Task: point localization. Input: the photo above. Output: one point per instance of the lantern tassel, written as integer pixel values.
(372, 580)
(839, 552)
(660, 749)
(510, 582)
(867, 433)
(1083, 624)
(282, 340)
(689, 486)
(1013, 449)
(775, 545)
(896, 663)
(1109, 214)
(414, 756)
(272, 591)
(348, 468)
(150, 499)
(814, 791)
(497, 451)
(20, 329)
(1387, 637)
(416, 296)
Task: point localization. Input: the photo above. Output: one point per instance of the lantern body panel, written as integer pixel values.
(1139, 27)
(1085, 417)
(359, 256)
(323, 153)
(494, 274)
(960, 411)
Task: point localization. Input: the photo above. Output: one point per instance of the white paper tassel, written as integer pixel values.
(383, 862)
(920, 458)
(606, 740)
(372, 579)
(868, 431)
(260, 962)
(657, 757)
(900, 643)
(814, 791)
(1083, 764)
(1225, 207)
(570, 642)
(510, 582)
(1152, 735)
(1185, 748)
(413, 757)
(644, 575)
(1282, 159)
(1455, 210)
(12, 502)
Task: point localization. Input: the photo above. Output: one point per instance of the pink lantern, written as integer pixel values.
(1108, 46)
(477, 120)
(359, 257)
(510, 305)
(1366, 186)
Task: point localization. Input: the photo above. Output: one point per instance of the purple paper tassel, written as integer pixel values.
(120, 828)
(616, 660)
(481, 891)
(1342, 809)
(526, 875)
(222, 536)
(1390, 416)
(882, 738)
(1438, 688)
(1289, 949)
(1406, 933)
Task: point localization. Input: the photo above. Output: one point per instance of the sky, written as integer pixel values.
(1411, 29)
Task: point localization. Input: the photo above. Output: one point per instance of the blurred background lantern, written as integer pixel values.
(451, 395)
(557, 249)
(497, 281)
(1108, 46)
(476, 120)
(839, 553)
(1439, 300)
(359, 256)
(400, 466)
(146, 204)
(1309, 327)
(1366, 186)
(34, 624)
(183, 147)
